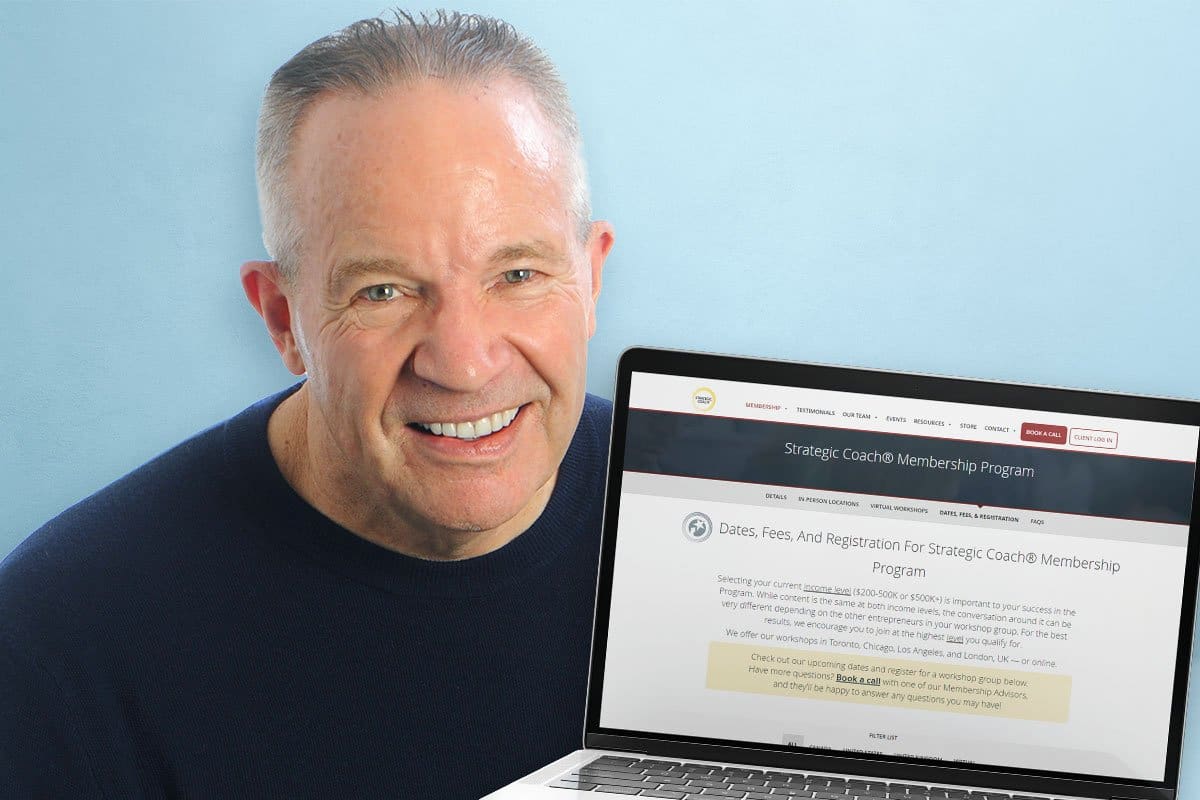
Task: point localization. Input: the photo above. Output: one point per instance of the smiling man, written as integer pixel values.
(378, 583)
(441, 301)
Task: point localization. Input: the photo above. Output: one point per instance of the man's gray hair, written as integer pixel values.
(373, 55)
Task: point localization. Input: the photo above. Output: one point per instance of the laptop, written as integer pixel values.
(825, 582)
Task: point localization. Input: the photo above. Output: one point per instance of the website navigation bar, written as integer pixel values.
(816, 407)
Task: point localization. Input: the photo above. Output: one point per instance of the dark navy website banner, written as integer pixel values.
(916, 467)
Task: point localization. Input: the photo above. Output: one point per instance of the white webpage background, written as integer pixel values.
(666, 610)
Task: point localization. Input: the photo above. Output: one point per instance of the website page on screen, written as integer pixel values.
(895, 576)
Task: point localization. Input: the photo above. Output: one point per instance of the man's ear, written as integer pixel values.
(265, 288)
(600, 242)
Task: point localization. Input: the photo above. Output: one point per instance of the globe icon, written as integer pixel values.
(697, 527)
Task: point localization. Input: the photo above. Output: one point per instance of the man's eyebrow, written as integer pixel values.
(537, 249)
(344, 272)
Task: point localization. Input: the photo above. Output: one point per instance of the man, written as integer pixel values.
(378, 583)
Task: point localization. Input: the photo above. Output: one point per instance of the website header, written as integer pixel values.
(912, 417)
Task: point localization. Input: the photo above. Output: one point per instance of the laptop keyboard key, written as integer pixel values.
(622, 782)
(581, 786)
(605, 777)
(607, 770)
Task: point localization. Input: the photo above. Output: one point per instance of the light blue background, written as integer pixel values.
(993, 189)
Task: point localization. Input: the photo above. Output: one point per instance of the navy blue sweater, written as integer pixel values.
(197, 630)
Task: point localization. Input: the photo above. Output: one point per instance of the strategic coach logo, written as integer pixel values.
(697, 527)
(703, 399)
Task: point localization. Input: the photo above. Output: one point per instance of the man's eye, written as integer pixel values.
(381, 293)
(517, 275)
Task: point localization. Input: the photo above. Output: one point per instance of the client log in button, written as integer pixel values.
(1046, 434)
(1086, 437)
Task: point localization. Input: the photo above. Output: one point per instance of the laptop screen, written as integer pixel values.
(899, 575)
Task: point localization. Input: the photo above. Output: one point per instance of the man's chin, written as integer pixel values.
(503, 512)
(461, 523)
(452, 538)
(463, 529)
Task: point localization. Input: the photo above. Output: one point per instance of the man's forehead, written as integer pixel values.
(429, 173)
(429, 123)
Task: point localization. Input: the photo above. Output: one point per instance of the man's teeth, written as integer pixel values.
(471, 430)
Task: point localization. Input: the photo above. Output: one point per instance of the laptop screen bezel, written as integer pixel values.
(891, 384)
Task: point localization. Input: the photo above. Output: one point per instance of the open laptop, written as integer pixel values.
(827, 582)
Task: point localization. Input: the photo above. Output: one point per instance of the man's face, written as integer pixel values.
(443, 293)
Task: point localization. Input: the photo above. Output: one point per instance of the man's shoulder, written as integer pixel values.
(596, 420)
(598, 408)
(117, 539)
(163, 489)
(588, 452)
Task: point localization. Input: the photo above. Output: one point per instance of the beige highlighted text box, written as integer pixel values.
(888, 682)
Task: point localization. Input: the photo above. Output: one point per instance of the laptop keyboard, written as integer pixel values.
(679, 780)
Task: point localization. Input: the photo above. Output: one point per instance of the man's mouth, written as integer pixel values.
(471, 429)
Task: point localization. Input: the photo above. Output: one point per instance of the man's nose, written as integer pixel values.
(461, 349)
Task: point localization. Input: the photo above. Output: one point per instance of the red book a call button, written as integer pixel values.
(1047, 434)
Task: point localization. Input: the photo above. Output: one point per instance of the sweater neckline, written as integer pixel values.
(280, 514)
